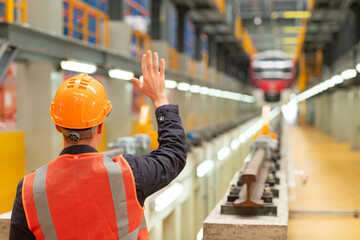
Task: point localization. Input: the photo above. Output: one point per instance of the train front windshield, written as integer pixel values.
(273, 69)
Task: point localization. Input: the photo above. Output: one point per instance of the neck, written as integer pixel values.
(89, 142)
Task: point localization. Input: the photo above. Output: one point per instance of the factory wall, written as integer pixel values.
(336, 112)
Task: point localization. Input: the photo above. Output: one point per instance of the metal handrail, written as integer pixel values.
(99, 16)
(10, 5)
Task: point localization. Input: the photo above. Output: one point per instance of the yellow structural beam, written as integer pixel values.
(302, 73)
(12, 166)
(311, 5)
(221, 5)
(248, 44)
(300, 41)
(319, 62)
(238, 28)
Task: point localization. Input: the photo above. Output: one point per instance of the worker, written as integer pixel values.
(83, 194)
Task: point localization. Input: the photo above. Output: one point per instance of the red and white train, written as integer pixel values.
(272, 76)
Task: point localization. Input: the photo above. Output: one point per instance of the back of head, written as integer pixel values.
(79, 106)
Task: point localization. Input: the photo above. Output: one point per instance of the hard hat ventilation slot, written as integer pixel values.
(84, 84)
(71, 83)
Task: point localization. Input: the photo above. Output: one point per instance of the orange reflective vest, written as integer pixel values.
(85, 196)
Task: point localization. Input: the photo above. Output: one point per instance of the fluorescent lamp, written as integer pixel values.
(200, 234)
(242, 138)
(76, 66)
(226, 94)
(348, 74)
(204, 91)
(223, 153)
(182, 86)
(195, 89)
(235, 144)
(212, 92)
(337, 79)
(297, 14)
(248, 99)
(218, 93)
(167, 197)
(170, 84)
(358, 67)
(120, 74)
(329, 83)
(204, 168)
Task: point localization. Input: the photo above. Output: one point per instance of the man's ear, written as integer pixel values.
(57, 128)
(100, 128)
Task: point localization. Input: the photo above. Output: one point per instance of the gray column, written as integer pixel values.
(329, 113)
(119, 121)
(341, 115)
(46, 15)
(354, 100)
(43, 143)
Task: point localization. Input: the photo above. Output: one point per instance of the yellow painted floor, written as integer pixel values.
(333, 172)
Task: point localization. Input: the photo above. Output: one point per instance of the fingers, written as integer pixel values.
(156, 62)
(149, 62)
(162, 68)
(143, 64)
(137, 83)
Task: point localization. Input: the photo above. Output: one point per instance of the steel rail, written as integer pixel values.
(254, 178)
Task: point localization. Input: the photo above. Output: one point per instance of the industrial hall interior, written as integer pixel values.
(180, 119)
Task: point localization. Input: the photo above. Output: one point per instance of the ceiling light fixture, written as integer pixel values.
(76, 66)
(120, 74)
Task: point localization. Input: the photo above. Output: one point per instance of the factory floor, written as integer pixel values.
(333, 183)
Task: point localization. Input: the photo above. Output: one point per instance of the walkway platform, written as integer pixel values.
(333, 172)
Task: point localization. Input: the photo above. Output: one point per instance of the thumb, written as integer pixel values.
(137, 83)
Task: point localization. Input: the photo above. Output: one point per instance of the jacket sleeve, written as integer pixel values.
(162, 165)
(18, 226)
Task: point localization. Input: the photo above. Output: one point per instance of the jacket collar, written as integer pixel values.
(78, 149)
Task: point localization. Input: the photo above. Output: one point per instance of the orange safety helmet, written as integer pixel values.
(80, 103)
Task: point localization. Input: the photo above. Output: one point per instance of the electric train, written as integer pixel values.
(272, 76)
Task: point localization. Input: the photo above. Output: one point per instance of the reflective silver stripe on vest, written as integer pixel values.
(119, 200)
(134, 234)
(143, 223)
(42, 205)
(118, 195)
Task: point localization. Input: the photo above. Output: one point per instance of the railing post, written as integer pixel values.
(23, 11)
(70, 18)
(85, 24)
(9, 11)
(107, 32)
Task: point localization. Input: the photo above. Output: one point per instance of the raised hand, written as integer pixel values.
(153, 85)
